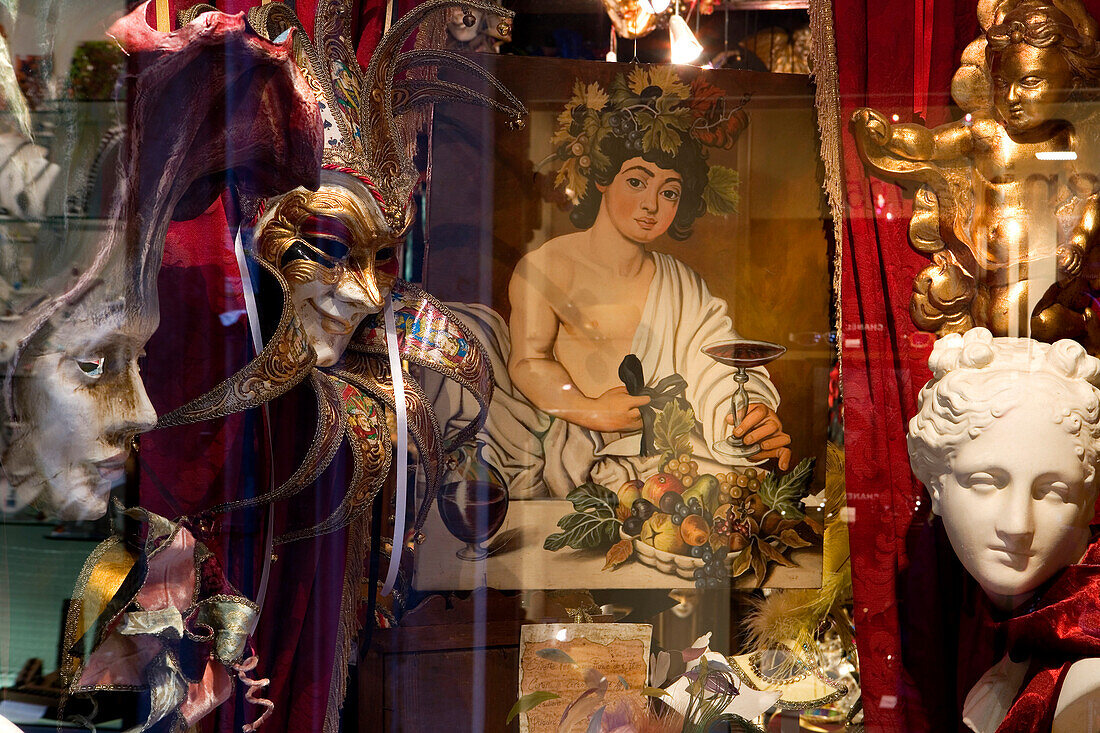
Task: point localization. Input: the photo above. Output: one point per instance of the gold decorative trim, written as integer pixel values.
(827, 101)
(285, 361)
(187, 15)
(327, 437)
(374, 376)
(841, 690)
(371, 462)
(475, 376)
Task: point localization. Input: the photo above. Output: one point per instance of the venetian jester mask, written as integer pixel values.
(337, 255)
(334, 252)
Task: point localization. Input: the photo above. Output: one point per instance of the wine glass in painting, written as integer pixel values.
(473, 500)
(741, 354)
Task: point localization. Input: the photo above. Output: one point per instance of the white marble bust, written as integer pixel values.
(1006, 439)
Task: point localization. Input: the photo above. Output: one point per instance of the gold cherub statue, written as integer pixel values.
(1008, 209)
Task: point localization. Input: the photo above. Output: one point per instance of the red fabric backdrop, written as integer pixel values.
(897, 56)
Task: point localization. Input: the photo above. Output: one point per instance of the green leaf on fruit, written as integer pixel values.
(783, 493)
(590, 497)
(592, 524)
(672, 430)
(583, 532)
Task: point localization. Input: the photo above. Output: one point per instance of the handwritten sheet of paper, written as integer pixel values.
(616, 650)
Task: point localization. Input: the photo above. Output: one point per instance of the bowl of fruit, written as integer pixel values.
(710, 527)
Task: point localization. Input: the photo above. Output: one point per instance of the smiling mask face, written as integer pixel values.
(337, 255)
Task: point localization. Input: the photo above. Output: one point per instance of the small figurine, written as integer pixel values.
(1006, 440)
(1006, 212)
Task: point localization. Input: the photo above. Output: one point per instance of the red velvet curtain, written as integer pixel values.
(897, 56)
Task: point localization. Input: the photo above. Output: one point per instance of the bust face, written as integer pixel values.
(1030, 85)
(1016, 502)
(80, 400)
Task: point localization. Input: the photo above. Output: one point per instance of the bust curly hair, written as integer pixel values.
(977, 378)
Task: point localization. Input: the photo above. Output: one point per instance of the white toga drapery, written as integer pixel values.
(540, 456)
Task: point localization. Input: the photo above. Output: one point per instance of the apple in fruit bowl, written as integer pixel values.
(659, 531)
(660, 484)
(630, 492)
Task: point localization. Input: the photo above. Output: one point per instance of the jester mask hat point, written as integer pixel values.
(360, 107)
(333, 253)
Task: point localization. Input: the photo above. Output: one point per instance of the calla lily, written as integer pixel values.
(746, 702)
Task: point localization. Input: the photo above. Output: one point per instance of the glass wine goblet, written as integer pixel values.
(741, 354)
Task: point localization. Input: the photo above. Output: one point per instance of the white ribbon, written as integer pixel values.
(258, 345)
(402, 462)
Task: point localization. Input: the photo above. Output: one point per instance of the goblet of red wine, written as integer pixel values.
(741, 354)
(473, 501)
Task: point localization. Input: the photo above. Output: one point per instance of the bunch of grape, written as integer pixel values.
(672, 503)
(640, 511)
(714, 573)
(684, 469)
(620, 121)
(734, 485)
(623, 125)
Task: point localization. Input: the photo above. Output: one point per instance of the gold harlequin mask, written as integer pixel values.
(333, 253)
(338, 256)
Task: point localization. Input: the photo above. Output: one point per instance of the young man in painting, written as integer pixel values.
(583, 301)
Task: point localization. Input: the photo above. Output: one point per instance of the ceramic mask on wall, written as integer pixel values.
(1006, 442)
(79, 297)
(79, 401)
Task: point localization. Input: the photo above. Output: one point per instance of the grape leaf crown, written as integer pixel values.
(650, 108)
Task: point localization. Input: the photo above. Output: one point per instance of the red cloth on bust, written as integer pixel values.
(896, 56)
(1064, 627)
